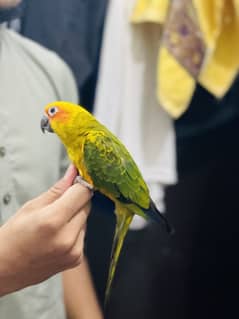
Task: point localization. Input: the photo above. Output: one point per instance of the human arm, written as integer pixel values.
(45, 236)
(80, 298)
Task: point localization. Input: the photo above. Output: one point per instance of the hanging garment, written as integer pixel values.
(126, 102)
(200, 44)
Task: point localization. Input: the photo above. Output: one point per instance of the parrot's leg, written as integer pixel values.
(79, 179)
(123, 220)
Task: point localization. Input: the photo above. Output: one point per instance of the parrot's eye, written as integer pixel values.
(53, 110)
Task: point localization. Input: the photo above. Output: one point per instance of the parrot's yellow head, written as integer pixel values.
(65, 119)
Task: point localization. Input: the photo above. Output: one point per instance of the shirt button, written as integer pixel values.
(7, 199)
(2, 151)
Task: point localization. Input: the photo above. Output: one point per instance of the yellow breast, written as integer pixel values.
(76, 155)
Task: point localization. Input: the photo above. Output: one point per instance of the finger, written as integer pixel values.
(76, 255)
(56, 190)
(72, 257)
(78, 222)
(70, 203)
(71, 232)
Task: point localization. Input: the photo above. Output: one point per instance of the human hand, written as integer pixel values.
(45, 236)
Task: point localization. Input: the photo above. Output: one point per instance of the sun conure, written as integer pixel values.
(105, 164)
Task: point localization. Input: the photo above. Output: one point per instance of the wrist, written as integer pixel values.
(8, 282)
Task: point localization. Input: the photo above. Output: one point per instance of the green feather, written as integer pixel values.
(116, 175)
(123, 220)
(113, 170)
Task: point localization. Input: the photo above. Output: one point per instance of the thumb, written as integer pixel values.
(58, 189)
(63, 184)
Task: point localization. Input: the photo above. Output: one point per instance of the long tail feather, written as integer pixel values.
(155, 214)
(123, 220)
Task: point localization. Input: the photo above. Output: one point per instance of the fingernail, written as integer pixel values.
(71, 171)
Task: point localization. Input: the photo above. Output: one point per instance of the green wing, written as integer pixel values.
(112, 169)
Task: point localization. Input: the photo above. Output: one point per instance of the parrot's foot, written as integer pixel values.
(79, 179)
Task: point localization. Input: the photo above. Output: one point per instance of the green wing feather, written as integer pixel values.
(112, 169)
(115, 174)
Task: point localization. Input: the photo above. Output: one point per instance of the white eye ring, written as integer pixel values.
(52, 110)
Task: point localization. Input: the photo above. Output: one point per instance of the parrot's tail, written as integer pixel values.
(155, 214)
(123, 220)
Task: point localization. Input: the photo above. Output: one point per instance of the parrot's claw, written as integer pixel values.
(79, 179)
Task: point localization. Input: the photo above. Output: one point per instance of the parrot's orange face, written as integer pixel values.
(67, 120)
(55, 113)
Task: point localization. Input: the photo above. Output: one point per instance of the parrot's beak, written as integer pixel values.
(45, 124)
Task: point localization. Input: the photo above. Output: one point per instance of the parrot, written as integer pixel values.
(104, 165)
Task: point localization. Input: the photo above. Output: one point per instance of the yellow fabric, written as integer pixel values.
(150, 11)
(174, 92)
(236, 6)
(222, 67)
(218, 21)
(209, 13)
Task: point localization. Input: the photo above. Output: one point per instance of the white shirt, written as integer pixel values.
(126, 99)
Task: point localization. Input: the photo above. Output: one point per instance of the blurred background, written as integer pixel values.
(162, 75)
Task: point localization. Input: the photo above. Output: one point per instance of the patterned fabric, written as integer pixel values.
(199, 45)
